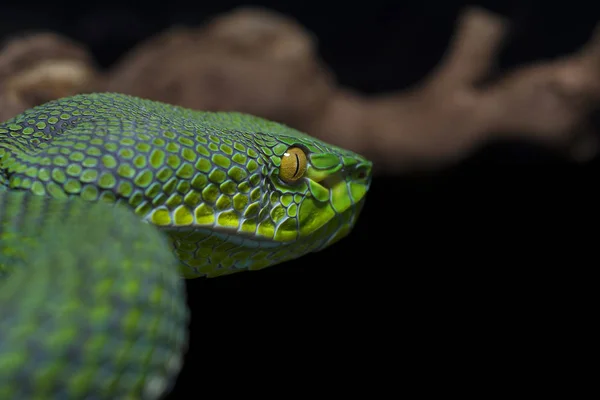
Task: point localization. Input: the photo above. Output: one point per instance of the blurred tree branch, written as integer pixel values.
(41, 67)
(260, 62)
(452, 112)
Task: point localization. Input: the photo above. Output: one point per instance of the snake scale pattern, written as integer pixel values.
(107, 201)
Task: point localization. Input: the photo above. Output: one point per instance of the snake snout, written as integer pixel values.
(357, 174)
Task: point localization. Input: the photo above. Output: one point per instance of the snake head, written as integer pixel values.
(263, 193)
(322, 189)
(232, 191)
(291, 194)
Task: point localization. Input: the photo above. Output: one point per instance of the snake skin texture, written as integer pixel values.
(108, 200)
(107, 321)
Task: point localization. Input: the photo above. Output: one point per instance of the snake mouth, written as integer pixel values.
(344, 223)
(347, 187)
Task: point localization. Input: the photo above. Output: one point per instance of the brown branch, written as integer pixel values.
(41, 67)
(260, 62)
(473, 49)
(449, 115)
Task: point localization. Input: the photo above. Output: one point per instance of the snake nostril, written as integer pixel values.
(361, 173)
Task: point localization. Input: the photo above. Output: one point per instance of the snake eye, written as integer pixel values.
(293, 165)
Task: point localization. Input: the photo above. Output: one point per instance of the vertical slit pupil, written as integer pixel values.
(297, 164)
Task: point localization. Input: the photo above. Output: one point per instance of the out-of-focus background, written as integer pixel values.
(483, 120)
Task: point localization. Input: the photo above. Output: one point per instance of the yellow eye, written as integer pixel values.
(293, 165)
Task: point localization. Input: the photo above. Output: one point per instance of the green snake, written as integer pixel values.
(108, 200)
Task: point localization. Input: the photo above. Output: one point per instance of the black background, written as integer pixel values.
(446, 271)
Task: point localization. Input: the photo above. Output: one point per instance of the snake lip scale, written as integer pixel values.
(108, 200)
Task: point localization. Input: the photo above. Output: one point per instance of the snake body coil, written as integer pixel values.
(107, 200)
